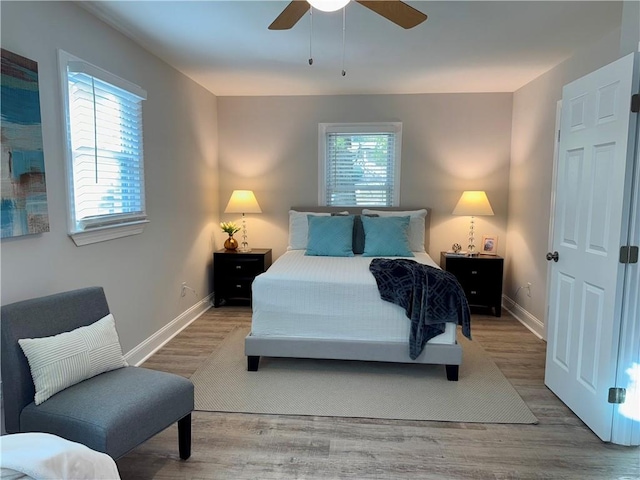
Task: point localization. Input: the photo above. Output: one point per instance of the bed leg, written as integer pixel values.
(252, 363)
(452, 372)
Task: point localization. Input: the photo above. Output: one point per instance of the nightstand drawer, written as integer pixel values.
(479, 295)
(240, 287)
(479, 271)
(240, 266)
(477, 278)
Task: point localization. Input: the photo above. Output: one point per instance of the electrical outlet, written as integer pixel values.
(528, 289)
(184, 288)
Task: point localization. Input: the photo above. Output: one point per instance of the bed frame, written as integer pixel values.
(397, 352)
(335, 349)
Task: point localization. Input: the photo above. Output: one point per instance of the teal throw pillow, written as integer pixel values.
(386, 236)
(330, 236)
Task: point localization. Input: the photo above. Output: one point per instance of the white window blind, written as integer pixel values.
(361, 166)
(106, 155)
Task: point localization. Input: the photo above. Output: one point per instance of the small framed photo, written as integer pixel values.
(489, 245)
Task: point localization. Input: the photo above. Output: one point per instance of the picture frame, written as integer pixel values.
(489, 245)
(23, 206)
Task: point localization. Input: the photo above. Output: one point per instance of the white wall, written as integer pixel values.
(630, 26)
(450, 143)
(531, 169)
(141, 274)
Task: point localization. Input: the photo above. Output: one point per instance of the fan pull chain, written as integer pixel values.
(310, 35)
(344, 33)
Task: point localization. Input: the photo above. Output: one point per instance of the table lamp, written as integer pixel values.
(243, 201)
(473, 203)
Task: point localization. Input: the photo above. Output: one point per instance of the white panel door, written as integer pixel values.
(590, 220)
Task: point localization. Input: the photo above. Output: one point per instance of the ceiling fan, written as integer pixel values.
(394, 10)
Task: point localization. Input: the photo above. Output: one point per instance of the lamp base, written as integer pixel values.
(244, 246)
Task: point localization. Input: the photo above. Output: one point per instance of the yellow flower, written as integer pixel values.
(229, 227)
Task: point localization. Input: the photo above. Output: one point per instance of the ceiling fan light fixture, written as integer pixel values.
(328, 5)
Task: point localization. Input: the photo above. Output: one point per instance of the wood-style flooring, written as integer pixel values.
(265, 447)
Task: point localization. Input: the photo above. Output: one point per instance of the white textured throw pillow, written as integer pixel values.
(63, 360)
(299, 227)
(416, 224)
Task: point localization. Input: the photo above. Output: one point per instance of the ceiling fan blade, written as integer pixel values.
(396, 11)
(290, 15)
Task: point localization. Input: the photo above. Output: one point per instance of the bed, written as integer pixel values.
(329, 307)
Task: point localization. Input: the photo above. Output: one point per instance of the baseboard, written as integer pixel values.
(524, 317)
(144, 350)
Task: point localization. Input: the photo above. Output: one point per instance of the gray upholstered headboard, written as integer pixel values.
(358, 211)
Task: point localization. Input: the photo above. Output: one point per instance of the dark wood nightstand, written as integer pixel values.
(234, 272)
(480, 277)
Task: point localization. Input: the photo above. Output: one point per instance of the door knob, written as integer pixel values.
(552, 256)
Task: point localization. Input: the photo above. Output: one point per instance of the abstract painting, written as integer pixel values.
(22, 178)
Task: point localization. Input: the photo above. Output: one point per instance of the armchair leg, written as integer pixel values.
(452, 372)
(184, 436)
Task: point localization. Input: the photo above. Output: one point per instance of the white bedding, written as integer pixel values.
(329, 298)
(41, 456)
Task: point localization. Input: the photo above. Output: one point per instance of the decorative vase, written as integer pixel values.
(230, 243)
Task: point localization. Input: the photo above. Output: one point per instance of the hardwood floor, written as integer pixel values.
(265, 447)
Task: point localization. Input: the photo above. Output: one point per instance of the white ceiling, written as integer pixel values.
(464, 46)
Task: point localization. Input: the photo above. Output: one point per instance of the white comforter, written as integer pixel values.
(329, 297)
(42, 456)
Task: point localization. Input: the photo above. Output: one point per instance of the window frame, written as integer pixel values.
(111, 226)
(358, 128)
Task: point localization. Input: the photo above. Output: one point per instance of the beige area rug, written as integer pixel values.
(336, 388)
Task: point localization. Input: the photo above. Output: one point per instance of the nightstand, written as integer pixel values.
(480, 277)
(234, 272)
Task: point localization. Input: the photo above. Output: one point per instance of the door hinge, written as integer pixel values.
(617, 395)
(629, 254)
(635, 103)
(558, 136)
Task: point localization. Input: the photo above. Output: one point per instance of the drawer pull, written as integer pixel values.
(473, 292)
(238, 267)
(474, 272)
(238, 286)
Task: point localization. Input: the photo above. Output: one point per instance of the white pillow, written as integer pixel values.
(63, 360)
(299, 228)
(416, 224)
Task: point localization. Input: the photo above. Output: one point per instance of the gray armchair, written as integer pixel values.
(112, 412)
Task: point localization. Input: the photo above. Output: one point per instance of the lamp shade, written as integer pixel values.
(328, 5)
(473, 203)
(242, 201)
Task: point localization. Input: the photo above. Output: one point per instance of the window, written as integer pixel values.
(105, 168)
(359, 164)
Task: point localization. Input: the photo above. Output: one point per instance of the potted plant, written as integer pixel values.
(230, 228)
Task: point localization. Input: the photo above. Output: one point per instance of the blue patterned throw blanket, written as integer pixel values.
(430, 297)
